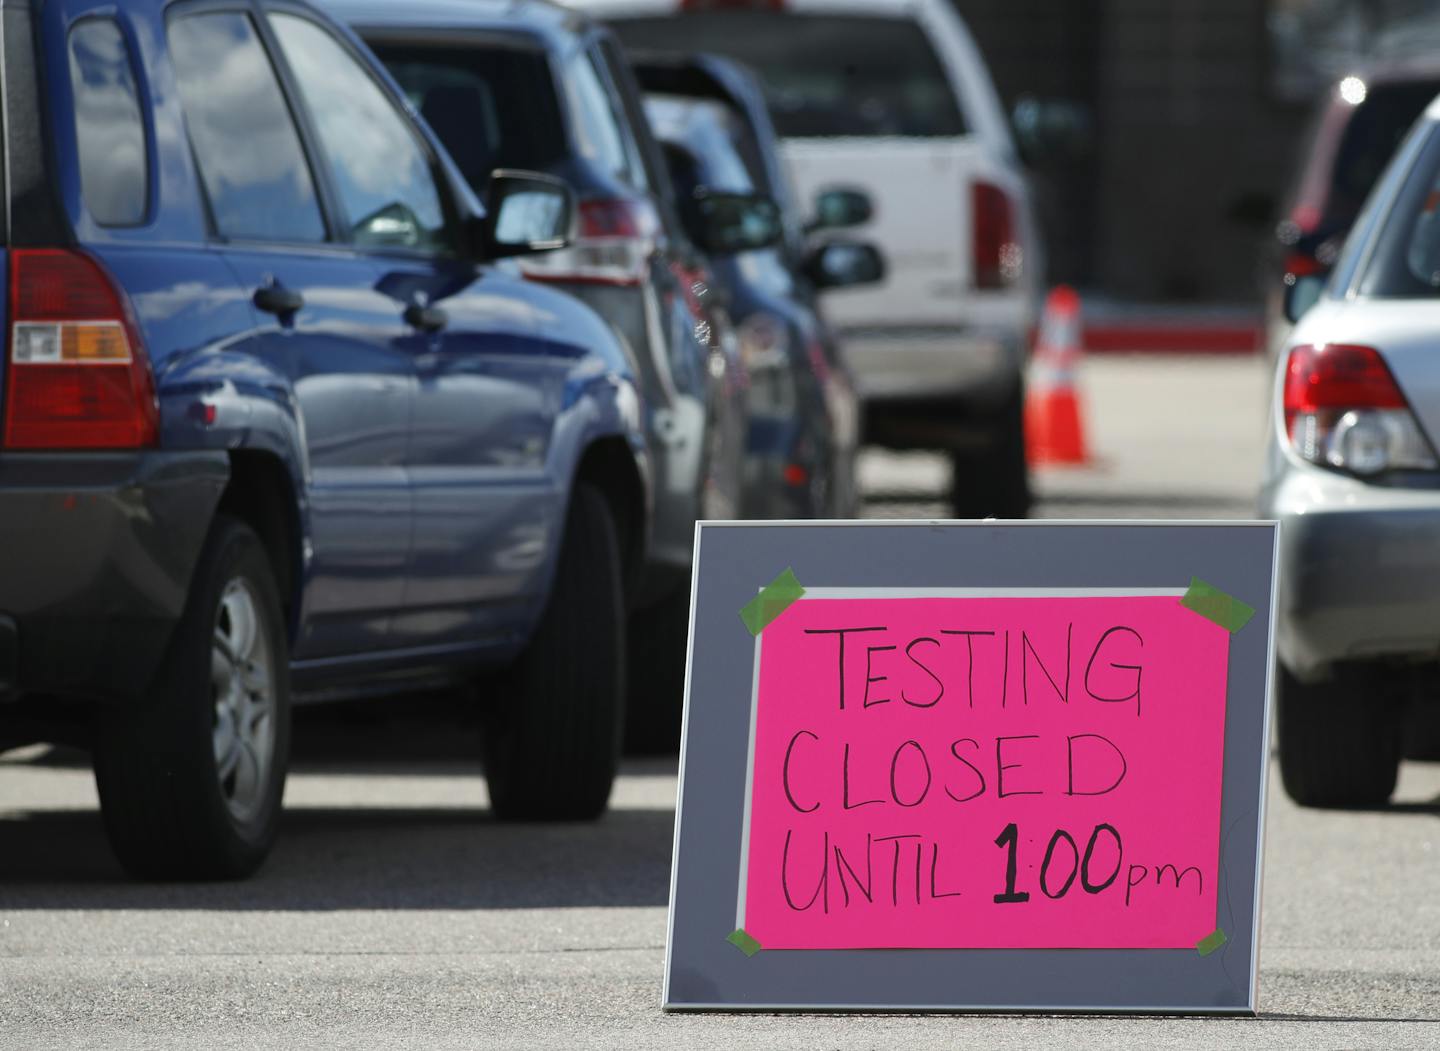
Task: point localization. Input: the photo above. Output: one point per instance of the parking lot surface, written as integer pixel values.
(395, 913)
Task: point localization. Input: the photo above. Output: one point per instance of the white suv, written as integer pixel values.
(892, 97)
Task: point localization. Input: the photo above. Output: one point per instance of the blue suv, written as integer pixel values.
(279, 420)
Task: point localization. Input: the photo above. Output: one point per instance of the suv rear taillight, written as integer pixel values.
(1343, 409)
(614, 240)
(997, 257)
(77, 375)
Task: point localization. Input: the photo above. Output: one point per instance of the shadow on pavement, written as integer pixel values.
(1059, 498)
(1429, 806)
(1267, 1016)
(361, 858)
(334, 856)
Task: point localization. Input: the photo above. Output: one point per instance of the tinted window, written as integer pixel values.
(597, 129)
(245, 143)
(491, 107)
(109, 132)
(382, 172)
(823, 75)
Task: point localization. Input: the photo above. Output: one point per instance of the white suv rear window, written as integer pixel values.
(824, 74)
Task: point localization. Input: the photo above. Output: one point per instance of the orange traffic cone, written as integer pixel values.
(1053, 431)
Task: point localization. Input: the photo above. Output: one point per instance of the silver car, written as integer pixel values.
(1352, 475)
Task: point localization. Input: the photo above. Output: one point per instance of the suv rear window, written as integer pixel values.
(109, 131)
(824, 75)
(491, 107)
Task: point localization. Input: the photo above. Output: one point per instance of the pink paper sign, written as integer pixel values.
(996, 772)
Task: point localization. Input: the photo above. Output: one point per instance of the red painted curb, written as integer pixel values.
(1174, 339)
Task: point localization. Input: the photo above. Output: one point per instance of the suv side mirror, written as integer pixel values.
(727, 223)
(845, 264)
(838, 208)
(1301, 294)
(525, 213)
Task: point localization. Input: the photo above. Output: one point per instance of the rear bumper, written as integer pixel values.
(903, 363)
(933, 388)
(1359, 571)
(98, 551)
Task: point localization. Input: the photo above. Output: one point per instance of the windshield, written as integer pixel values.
(823, 76)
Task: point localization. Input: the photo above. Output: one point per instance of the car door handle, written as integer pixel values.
(425, 318)
(278, 300)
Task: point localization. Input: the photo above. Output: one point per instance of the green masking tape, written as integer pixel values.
(771, 602)
(742, 941)
(1213, 604)
(1212, 941)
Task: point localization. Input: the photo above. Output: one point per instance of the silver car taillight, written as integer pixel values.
(1343, 409)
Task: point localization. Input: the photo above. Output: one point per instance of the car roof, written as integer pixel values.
(538, 16)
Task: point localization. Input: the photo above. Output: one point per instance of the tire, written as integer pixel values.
(994, 482)
(552, 743)
(658, 640)
(1340, 741)
(191, 782)
(1422, 729)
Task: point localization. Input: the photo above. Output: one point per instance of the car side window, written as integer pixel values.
(109, 131)
(382, 172)
(647, 171)
(251, 162)
(597, 127)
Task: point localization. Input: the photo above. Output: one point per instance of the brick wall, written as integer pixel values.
(1185, 129)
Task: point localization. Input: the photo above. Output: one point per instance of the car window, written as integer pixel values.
(382, 172)
(823, 74)
(647, 171)
(491, 106)
(246, 146)
(702, 129)
(597, 128)
(1405, 259)
(109, 131)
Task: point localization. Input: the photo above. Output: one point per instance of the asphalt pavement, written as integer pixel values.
(395, 913)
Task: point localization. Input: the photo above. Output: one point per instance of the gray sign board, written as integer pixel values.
(1022, 694)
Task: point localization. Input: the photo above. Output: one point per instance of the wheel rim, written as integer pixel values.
(240, 679)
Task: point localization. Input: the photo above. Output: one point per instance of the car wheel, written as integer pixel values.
(1422, 729)
(552, 744)
(1339, 741)
(191, 782)
(994, 482)
(658, 641)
